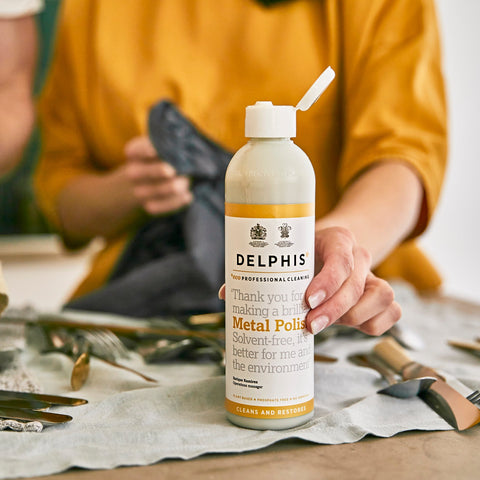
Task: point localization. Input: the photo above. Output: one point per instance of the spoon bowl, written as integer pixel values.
(399, 389)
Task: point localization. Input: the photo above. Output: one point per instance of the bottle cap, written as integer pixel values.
(265, 120)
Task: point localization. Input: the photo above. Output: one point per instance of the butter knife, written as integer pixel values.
(46, 418)
(453, 407)
(51, 399)
(19, 403)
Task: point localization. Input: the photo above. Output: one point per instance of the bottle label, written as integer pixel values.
(269, 353)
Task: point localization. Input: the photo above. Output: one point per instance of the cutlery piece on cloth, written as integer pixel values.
(128, 369)
(46, 418)
(51, 399)
(399, 389)
(318, 357)
(58, 320)
(470, 347)
(3, 292)
(80, 371)
(453, 407)
(21, 403)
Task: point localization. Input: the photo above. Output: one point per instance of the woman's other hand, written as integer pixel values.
(155, 183)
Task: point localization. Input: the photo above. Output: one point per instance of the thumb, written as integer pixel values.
(140, 147)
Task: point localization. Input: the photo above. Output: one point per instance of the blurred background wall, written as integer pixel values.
(453, 239)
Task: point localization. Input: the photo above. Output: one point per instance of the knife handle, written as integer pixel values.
(392, 353)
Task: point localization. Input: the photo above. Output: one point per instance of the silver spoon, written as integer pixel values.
(399, 389)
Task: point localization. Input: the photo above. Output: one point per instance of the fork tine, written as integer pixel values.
(100, 345)
(116, 343)
(111, 342)
(474, 397)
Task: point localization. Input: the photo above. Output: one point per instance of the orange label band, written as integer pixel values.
(290, 210)
(254, 411)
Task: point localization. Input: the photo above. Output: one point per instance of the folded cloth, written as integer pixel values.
(175, 263)
(13, 373)
(130, 422)
(17, 426)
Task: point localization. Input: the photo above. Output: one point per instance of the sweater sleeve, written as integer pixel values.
(394, 100)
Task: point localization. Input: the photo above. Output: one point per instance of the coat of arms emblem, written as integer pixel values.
(258, 234)
(284, 229)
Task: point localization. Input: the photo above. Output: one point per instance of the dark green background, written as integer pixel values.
(18, 211)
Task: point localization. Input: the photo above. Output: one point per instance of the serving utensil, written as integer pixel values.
(396, 388)
(474, 397)
(50, 399)
(80, 371)
(25, 414)
(453, 407)
(21, 403)
(54, 320)
(466, 346)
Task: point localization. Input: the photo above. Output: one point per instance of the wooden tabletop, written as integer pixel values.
(445, 455)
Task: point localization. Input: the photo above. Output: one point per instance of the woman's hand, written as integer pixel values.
(344, 290)
(155, 183)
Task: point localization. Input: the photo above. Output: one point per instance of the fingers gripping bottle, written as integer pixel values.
(269, 260)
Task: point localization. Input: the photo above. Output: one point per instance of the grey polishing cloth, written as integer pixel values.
(175, 263)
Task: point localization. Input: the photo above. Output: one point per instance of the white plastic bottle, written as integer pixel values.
(269, 262)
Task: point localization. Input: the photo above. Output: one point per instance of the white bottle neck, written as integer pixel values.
(269, 139)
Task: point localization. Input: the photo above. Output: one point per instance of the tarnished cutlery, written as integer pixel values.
(474, 397)
(22, 403)
(450, 404)
(81, 344)
(396, 388)
(466, 346)
(51, 399)
(25, 414)
(80, 371)
(29, 407)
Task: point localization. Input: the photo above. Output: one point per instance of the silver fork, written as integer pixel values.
(474, 397)
(105, 344)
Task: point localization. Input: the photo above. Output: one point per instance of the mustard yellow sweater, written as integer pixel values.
(115, 59)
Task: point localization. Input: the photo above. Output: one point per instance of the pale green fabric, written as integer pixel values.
(131, 422)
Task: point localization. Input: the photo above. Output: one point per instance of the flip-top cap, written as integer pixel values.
(265, 120)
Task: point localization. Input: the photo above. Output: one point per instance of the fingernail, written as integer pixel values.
(315, 299)
(318, 324)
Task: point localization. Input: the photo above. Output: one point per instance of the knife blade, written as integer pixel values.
(51, 399)
(53, 320)
(46, 418)
(19, 403)
(470, 347)
(453, 407)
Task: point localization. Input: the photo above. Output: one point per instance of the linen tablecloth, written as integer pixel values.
(131, 422)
